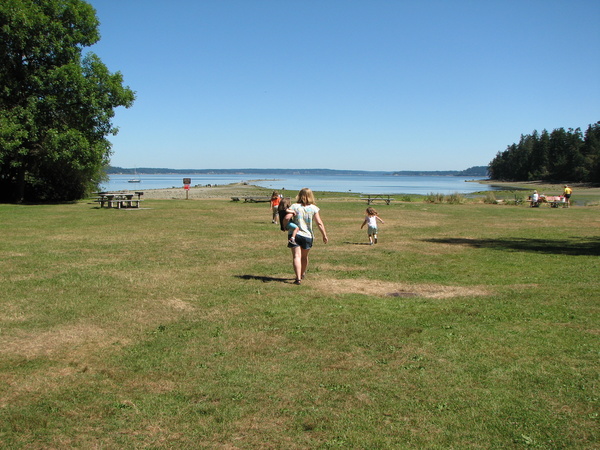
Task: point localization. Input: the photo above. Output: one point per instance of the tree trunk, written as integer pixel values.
(20, 186)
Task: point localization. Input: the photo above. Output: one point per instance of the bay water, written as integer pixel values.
(358, 184)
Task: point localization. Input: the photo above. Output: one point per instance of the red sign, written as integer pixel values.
(187, 187)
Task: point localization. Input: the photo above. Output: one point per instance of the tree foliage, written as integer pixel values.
(563, 155)
(56, 104)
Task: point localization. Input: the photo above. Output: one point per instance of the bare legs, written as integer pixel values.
(300, 262)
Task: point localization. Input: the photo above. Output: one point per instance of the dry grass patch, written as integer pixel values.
(71, 339)
(179, 305)
(154, 311)
(34, 385)
(8, 255)
(12, 312)
(388, 289)
(327, 267)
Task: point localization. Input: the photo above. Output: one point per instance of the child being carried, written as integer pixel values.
(285, 220)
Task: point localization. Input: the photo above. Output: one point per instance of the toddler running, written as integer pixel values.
(371, 221)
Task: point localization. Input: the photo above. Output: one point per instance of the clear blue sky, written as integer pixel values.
(346, 84)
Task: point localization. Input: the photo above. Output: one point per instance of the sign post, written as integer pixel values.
(186, 186)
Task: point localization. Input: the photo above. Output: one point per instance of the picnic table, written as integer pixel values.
(554, 201)
(119, 199)
(370, 198)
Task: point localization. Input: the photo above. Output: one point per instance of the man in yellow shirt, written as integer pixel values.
(567, 194)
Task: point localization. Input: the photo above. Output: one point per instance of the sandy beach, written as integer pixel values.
(205, 192)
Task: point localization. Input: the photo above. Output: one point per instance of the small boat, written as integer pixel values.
(136, 179)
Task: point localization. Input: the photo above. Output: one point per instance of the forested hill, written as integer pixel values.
(477, 171)
(562, 155)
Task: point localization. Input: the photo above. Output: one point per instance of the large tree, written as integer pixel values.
(56, 104)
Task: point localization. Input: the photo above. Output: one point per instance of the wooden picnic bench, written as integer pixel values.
(372, 198)
(119, 199)
(554, 201)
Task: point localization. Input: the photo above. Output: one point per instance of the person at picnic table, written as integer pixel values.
(371, 221)
(535, 199)
(305, 214)
(285, 220)
(274, 203)
(567, 193)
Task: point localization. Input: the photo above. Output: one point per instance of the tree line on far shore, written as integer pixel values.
(475, 171)
(562, 155)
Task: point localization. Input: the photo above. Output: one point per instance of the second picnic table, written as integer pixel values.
(119, 199)
(370, 198)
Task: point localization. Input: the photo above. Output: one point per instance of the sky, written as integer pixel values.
(345, 84)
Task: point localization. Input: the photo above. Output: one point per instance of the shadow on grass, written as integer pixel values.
(356, 243)
(567, 246)
(265, 279)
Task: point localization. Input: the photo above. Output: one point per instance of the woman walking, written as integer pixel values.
(305, 213)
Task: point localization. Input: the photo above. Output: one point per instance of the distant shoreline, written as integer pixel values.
(477, 171)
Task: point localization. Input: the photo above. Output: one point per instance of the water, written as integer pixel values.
(359, 184)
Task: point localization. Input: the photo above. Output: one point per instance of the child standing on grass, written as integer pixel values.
(371, 221)
(285, 220)
(274, 202)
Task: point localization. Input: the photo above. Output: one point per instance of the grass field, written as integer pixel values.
(178, 326)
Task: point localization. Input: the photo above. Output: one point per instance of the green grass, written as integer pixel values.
(178, 326)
